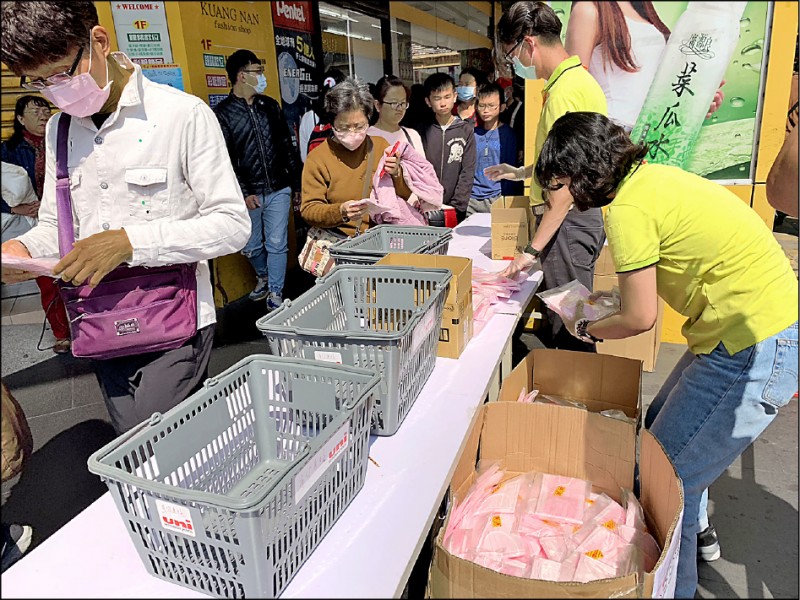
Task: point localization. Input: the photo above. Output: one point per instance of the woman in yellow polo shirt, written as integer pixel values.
(711, 258)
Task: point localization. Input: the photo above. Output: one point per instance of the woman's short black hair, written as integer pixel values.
(19, 109)
(238, 61)
(594, 152)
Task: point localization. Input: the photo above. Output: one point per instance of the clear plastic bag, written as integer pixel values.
(559, 400)
(573, 301)
(614, 413)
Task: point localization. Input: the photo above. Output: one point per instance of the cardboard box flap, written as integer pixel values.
(453, 577)
(601, 382)
(465, 467)
(662, 500)
(562, 441)
(461, 282)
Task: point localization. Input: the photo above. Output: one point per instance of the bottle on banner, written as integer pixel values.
(693, 64)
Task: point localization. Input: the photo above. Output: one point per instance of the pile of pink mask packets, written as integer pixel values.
(549, 527)
(487, 290)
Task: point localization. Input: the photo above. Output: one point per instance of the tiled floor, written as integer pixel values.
(22, 310)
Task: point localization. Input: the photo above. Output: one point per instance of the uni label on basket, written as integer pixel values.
(422, 330)
(317, 464)
(174, 517)
(331, 357)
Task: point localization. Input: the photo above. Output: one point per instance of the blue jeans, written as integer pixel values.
(268, 245)
(710, 408)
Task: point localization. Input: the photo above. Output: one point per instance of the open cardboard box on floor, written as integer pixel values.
(642, 347)
(576, 443)
(513, 226)
(457, 323)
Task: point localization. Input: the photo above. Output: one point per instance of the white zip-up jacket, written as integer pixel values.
(158, 168)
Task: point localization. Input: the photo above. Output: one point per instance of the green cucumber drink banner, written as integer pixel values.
(662, 88)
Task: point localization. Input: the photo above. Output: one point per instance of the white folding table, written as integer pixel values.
(371, 549)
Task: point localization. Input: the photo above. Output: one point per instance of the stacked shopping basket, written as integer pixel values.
(368, 248)
(232, 490)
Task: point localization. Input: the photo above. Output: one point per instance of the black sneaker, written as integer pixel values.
(708, 544)
(16, 541)
(261, 290)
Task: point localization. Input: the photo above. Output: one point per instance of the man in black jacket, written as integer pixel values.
(267, 166)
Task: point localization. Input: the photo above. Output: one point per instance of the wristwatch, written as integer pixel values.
(532, 251)
(345, 218)
(581, 332)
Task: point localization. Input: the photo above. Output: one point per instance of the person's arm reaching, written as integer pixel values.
(638, 307)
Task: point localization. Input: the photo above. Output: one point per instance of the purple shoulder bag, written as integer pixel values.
(133, 310)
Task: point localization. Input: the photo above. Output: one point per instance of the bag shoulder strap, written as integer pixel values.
(66, 231)
(408, 137)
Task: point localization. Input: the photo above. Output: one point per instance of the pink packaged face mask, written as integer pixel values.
(545, 569)
(561, 499)
(606, 512)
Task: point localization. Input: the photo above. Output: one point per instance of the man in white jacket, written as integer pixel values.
(150, 179)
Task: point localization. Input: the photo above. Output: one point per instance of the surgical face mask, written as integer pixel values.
(80, 96)
(261, 84)
(351, 140)
(523, 71)
(465, 92)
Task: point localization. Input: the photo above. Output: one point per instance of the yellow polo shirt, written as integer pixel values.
(716, 262)
(570, 89)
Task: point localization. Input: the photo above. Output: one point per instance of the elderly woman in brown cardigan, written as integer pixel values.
(333, 176)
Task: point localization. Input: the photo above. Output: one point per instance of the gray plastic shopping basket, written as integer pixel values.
(368, 248)
(230, 492)
(384, 318)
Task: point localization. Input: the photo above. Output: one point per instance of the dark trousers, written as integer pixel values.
(134, 387)
(571, 254)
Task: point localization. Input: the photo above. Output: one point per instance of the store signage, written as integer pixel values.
(142, 31)
(216, 81)
(214, 61)
(292, 15)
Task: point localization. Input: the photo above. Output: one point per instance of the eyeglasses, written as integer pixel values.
(397, 105)
(39, 112)
(255, 71)
(357, 129)
(487, 106)
(36, 85)
(507, 55)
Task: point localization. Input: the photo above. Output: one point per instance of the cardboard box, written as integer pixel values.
(513, 226)
(576, 443)
(457, 318)
(644, 346)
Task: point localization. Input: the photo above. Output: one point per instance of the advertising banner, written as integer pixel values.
(689, 83)
(171, 75)
(142, 32)
(215, 30)
(298, 67)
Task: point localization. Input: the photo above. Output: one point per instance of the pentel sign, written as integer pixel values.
(292, 15)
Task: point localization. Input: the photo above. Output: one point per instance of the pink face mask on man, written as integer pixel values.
(80, 96)
(351, 140)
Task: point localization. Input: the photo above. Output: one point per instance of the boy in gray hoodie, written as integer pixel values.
(449, 143)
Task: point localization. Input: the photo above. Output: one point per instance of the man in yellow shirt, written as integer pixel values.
(567, 241)
(690, 241)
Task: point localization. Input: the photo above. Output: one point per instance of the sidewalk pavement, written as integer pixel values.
(754, 505)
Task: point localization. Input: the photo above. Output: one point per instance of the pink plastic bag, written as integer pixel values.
(606, 512)
(545, 569)
(559, 498)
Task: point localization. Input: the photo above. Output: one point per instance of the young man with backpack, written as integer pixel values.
(449, 143)
(267, 167)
